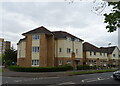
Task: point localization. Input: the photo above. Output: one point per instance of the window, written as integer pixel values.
(68, 61)
(104, 54)
(35, 49)
(101, 63)
(100, 53)
(76, 50)
(113, 55)
(76, 40)
(35, 62)
(94, 53)
(90, 53)
(119, 55)
(60, 62)
(60, 49)
(68, 39)
(94, 62)
(36, 36)
(68, 50)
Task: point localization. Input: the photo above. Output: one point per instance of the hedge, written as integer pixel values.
(40, 69)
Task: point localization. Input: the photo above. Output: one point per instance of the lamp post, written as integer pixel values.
(73, 55)
(109, 61)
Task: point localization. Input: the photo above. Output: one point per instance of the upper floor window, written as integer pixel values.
(36, 36)
(104, 54)
(94, 53)
(60, 49)
(119, 55)
(35, 49)
(76, 40)
(76, 50)
(68, 39)
(90, 53)
(113, 55)
(100, 53)
(68, 50)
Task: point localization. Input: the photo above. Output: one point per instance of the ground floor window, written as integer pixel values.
(68, 61)
(60, 62)
(35, 62)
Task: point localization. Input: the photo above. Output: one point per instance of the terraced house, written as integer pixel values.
(102, 57)
(43, 48)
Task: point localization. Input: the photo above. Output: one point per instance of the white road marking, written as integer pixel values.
(98, 78)
(111, 76)
(17, 80)
(6, 82)
(92, 80)
(83, 81)
(9, 77)
(65, 83)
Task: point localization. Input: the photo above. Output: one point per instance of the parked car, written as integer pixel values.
(116, 75)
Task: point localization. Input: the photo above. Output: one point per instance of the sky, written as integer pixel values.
(77, 18)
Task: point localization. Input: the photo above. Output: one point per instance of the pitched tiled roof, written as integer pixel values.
(89, 47)
(38, 30)
(63, 34)
(108, 49)
(21, 40)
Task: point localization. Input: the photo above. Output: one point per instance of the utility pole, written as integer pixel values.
(109, 61)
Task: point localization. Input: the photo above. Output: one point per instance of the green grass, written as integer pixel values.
(0, 70)
(91, 71)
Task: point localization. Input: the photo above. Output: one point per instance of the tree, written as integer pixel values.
(10, 56)
(113, 19)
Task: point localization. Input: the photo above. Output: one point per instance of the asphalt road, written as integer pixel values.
(99, 78)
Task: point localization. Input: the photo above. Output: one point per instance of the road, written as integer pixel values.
(99, 78)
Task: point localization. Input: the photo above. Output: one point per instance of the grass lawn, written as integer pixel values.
(0, 70)
(91, 71)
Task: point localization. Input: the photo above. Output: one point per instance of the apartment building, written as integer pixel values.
(66, 45)
(43, 48)
(4, 45)
(103, 57)
(113, 55)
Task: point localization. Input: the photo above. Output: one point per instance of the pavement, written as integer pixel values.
(9, 73)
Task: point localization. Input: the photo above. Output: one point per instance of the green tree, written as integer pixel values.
(10, 56)
(113, 19)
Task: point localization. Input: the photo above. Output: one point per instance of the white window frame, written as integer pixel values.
(59, 62)
(68, 61)
(36, 37)
(35, 49)
(35, 62)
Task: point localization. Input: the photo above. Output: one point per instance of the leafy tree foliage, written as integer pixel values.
(10, 56)
(113, 19)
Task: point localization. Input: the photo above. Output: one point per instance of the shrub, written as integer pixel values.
(40, 69)
(83, 67)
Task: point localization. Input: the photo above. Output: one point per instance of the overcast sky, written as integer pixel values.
(76, 18)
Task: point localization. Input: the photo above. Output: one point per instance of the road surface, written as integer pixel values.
(98, 78)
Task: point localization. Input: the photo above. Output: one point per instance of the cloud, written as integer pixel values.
(76, 18)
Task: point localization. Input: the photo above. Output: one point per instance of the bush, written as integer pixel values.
(40, 69)
(83, 67)
(8, 62)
